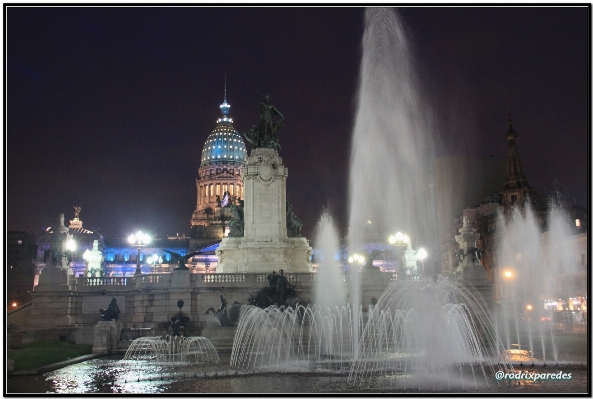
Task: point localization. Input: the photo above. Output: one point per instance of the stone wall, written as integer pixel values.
(150, 301)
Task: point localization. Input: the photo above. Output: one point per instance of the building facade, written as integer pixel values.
(219, 181)
(560, 275)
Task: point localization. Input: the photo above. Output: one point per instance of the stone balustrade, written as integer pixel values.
(97, 281)
(150, 278)
(163, 280)
(223, 278)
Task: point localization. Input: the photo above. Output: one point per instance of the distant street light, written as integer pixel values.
(70, 248)
(154, 260)
(356, 258)
(138, 240)
(422, 254)
(399, 239)
(508, 274)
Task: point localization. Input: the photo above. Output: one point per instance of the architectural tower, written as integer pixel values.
(516, 189)
(221, 171)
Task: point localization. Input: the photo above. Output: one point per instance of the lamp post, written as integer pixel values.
(138, 240)
(70, 248)
(400, 240)
(154, 260)
(357, 259)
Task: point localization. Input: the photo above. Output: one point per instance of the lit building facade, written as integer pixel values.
(221, 171)
(219, 183)
(566, 282)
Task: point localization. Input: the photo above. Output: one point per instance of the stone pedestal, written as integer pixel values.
(372, 284)
(265, 246)
(54, 278)
(107, 335)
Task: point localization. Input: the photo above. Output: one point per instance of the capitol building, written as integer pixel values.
(218, 184)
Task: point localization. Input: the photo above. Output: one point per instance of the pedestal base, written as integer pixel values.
(240, 255)
(107, 335)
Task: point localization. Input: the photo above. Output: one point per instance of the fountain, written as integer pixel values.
(426, 334)
(435, 330)
(171, 350)
(531, 264)
(299, 339)
(328, 269)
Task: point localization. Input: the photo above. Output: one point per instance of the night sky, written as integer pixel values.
(108, 108)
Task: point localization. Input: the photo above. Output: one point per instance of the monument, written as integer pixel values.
(267, 243)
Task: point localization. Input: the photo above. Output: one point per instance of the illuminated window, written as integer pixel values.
(577, 222)
(217, 189)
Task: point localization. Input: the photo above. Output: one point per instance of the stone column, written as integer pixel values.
(265, 196)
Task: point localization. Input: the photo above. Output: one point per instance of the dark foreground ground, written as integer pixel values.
(106, 375)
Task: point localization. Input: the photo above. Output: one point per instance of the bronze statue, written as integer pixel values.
(252, 137)
(178, 321)
(221, 314)
(267, 126)
(270, 120)
(293, 223)
(237, 224)
(112, 312)
(77, 210)
(182, 260)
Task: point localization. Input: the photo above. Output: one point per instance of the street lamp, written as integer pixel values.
(422, 254)
(356, 259)
(507, 274)
(138, 240)
(154, 260)
(399, 239)
(70, 248)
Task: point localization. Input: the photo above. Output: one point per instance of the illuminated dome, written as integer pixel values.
(224, 144)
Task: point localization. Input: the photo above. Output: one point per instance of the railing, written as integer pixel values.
(290, 277)
(95, 281)
(150, 278)
(223, 278)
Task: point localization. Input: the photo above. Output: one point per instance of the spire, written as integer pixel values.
(225, 107)
(511, 134)
(516, 187)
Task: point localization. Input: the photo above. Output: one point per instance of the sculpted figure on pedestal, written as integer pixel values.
(182, 260)
(264, 133)
(112, 311)
(237, 224)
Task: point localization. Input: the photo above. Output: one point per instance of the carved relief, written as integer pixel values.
(266, 170)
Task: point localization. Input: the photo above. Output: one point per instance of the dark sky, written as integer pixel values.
(108, 108)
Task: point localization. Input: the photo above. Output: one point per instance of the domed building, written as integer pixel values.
(220, 172)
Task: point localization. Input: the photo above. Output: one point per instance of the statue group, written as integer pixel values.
(264, 134)
(279, 292)
(226, 317)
